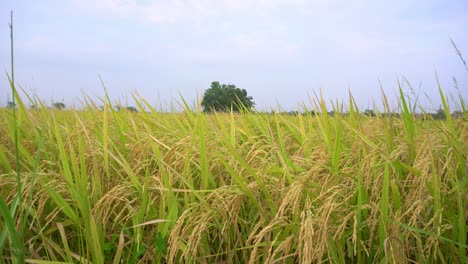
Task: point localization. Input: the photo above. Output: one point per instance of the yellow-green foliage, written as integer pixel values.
(107, 186)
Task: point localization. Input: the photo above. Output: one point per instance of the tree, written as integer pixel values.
(457, 114)
(440, 114)
(226, 97)
(132, 109)
(369, 112)
(11, 105)
(59, 106)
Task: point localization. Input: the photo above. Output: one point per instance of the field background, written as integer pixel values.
(116, 186)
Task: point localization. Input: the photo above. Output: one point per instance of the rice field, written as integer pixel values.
(107, 186)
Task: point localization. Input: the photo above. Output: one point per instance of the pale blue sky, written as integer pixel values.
(278, 50)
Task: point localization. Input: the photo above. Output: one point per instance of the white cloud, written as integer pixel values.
(59, 46)
(165, 11)
(157, 12)
(255, 45)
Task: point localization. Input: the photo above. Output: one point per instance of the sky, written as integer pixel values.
(281, 51)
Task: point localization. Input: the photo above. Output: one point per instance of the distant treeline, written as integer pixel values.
(439, 115)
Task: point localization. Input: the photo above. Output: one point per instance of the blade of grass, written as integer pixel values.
(409, 124)
(120, 247)
(64, 238)
(8, 215)
(428, 233)
(16, 246)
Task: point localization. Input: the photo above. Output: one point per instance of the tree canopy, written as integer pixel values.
(11, 105)
(131, 109)
(224, 97)
(59, 106)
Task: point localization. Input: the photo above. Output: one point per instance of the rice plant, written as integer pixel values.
(118, 186)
